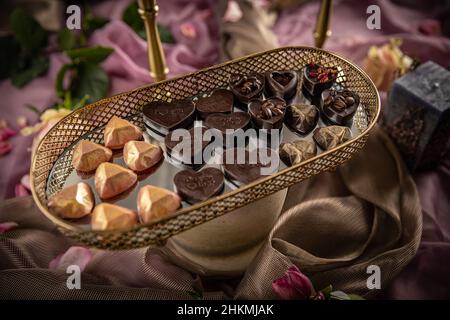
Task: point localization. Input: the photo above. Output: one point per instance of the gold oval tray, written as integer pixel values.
(85, 120)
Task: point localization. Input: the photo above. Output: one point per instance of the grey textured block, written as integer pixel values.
(417, 116)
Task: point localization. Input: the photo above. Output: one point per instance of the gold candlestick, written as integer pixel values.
(322, 31)
(148, 10)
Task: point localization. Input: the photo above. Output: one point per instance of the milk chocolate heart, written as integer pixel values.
(220, 101)
(163, 117)
(233, 121)
(250, 169)
(198, 186)
(281, 83)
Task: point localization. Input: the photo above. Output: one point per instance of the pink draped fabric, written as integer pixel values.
(127, 67)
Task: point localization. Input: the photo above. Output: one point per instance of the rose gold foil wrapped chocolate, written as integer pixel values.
(108, 216)
(119, 131)
(87, 156)
(112, 179)
(155, 203)
(73, 202)
(141, 155)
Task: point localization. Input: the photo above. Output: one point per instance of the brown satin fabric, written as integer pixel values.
(333, 226)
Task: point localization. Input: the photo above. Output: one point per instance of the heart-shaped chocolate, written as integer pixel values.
(301, 118)
(198, 186)
(339, 106)
(317, 78)
(232, 121)
(246, 87)
(220, 101)
(247, 167)
(267, 114)
(163, 117)
(281, 83)
(193, 142)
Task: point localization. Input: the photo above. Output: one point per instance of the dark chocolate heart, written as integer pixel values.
(220, 101)
(233, 121)
(301, 118)
(281, 83)
(166, 116)
(195, 143)
(268, 114)
(317, 78)
(244, 173)
(339, 106)
(198, 186)
(246, 87)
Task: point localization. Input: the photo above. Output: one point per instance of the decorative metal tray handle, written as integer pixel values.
(148, 10)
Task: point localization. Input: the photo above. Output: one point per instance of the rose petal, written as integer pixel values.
(22, 122)
(293, 285)
(3, 123)
(233, 12)
(430, 27)
(75, 255)
(7, 226)
(21, 191)
(188, 30)
(5, 148)
(25, 181)
(7, 133)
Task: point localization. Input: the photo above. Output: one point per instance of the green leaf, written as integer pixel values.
(33, 109)
(327, 291)
(165, 34)
(37, 67)
(196, 295)
(92, 23)
(94, 54)
(59, 84)
(133, 19)
(27, 31)
(66, 39)
(9, 55)
(339, 295)
(90, 80)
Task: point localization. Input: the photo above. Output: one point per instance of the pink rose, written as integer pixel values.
(7, 226)
(293, 285)
(75, 255)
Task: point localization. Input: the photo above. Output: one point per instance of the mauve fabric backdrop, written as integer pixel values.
(427, 276)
